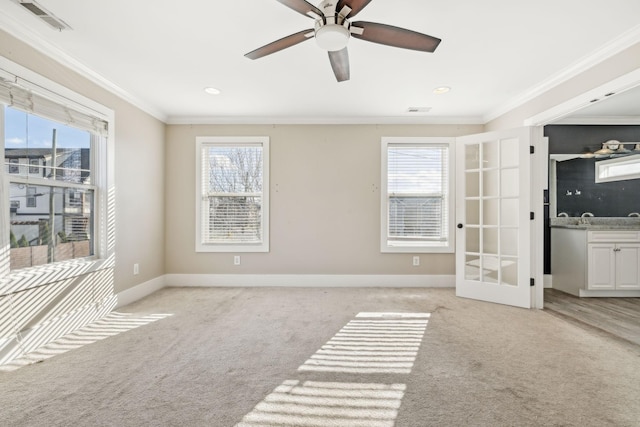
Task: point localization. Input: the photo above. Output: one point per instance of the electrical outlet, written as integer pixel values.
(236, 260)
(136, 268)
(416, 261)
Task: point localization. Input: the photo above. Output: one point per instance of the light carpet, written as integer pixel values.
(250, 357)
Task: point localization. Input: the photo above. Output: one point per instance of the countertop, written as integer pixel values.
(596, 223)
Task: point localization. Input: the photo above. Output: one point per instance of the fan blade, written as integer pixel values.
(394, 36)
(340, 63)
(303, 7)
(355, 6)
(283, 43)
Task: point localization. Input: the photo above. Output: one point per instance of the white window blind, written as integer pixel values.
(22, 98)
(232, 200)
(417, 201)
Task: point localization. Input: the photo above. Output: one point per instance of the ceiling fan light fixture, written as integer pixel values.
(332, 30)
(332, 37)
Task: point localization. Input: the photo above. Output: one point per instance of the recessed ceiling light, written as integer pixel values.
(212, 90)
(442, 89)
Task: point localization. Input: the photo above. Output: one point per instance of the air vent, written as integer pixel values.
(419, 109)
(44, 14)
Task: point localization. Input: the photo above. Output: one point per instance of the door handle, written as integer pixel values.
(460, 226)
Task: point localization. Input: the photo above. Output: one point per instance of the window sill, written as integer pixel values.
(259, 248)
(419, 249)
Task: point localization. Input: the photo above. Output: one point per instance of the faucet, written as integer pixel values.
(584, 216)
(636, 214)
(563, 215)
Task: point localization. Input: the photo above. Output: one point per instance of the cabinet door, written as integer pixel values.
(628, 266)
(601, 266)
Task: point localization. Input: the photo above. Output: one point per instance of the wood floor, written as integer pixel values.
(619, 317)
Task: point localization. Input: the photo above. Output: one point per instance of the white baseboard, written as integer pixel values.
(310, 280)
(140, 291)
(610, 294)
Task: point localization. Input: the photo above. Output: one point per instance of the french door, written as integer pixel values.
(493, 251)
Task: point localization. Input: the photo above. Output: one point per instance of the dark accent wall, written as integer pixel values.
(605, 199)
(577, 191)
(610, 199)
(572, 139)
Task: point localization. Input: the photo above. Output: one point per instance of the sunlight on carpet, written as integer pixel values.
(372, 343)
(383, 343)
(336, 404)
(112, 324)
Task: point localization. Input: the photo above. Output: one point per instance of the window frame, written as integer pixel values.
(228, 141)
(445, 246)
(103, 179)
(49, 186)
(605, 169)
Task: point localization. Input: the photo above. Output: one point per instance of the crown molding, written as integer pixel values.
(598, 94)
(347, 120)
(599, 120)
(617, 45)
(36, 41)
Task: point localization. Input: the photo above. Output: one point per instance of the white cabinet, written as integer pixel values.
(628, 266)
(601, 266)
(613, 260)
(596, 262)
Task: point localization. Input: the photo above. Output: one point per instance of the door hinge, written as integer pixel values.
(532, 149)
(531, 216)
(532, 282)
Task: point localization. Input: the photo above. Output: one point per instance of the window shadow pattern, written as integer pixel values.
(110, 325)
(372, 343)
(338, 404)
(381, 344)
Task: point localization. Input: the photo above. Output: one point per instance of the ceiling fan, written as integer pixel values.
(333, 28)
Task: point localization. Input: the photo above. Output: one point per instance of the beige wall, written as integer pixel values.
(618, 65)
(139, 168)
(325, 201)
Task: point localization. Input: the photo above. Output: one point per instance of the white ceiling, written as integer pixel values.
(161, 54)
(622, 107)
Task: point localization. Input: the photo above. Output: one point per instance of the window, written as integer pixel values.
(31, 197)
(34, 166)
(417, 198)
(60, 149)
(618, 169)
(233, 199)
(14, 166)
(75, 199)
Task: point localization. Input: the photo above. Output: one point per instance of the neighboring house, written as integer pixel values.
(30, 207)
